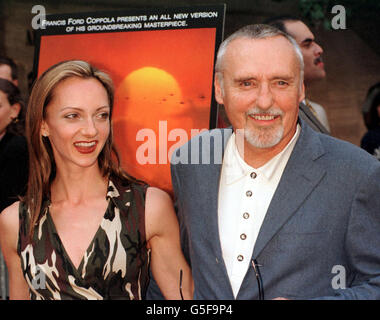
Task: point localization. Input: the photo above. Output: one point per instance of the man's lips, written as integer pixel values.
(264, 118)
(319, 62)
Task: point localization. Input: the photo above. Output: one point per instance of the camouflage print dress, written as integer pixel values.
(115, 265)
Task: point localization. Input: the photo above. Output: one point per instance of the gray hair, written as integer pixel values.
(255, 31)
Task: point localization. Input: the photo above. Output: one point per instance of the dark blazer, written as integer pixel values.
(13, 168)
(323, 221)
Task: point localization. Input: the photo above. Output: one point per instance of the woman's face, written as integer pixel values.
(77, 122)
(7, 112)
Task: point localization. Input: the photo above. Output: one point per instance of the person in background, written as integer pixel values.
(8, 70)
(85, 227)
(371, 113)
(313, 64)
(13, 146)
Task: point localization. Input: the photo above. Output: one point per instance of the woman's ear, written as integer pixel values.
(15, 110)
(44, 129)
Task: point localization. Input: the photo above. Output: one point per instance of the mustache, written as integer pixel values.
(317, 60)
(273, 111)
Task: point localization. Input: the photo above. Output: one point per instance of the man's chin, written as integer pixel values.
(262, 140)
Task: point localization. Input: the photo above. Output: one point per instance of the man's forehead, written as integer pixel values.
(298, 30)
(244, 45)
(257, 51)
(268, 58)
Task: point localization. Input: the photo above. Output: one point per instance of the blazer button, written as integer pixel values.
(240, 257)
(248, 193)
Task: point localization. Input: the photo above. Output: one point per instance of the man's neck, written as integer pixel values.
(257, 157)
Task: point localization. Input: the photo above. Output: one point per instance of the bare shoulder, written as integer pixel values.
(157, 202)
(156, 196)
(9, 223)
(9, 216)
(159, 211)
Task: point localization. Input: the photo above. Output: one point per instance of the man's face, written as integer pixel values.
(311, 51)
(261, 90)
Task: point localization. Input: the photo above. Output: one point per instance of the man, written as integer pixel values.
(8, 70)
(275, 209)
(314, 67)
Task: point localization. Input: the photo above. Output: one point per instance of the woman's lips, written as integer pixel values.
(86, 146)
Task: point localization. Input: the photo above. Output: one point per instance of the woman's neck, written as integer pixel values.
(2, 134)
(77, 187)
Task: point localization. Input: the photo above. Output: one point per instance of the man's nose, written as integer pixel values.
(317, 49)
(265, 97)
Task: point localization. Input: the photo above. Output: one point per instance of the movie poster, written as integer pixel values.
(161, 62)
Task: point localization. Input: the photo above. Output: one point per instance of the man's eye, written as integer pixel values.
(282, 83)
(307, 44)
(246, 83)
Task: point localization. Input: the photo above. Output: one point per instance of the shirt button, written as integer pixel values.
(253, 175)
(245, 215)
(240, 257)
(248, 193)
(243, 236)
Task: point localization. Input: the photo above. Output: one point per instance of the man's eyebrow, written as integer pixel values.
(307, 41)
(278, 76)
(240, 79)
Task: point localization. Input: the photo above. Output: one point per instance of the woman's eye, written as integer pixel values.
(104, 115)
(71, 116)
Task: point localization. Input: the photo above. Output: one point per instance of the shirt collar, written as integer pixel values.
(236, 168)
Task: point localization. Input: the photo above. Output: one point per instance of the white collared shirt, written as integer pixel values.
(244, 197)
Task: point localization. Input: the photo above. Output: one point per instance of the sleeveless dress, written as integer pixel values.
(115, 265)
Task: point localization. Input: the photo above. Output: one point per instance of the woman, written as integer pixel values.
(82, 231)
(13, 146)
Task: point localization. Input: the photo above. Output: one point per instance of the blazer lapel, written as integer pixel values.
(211, 224)
(301, 175)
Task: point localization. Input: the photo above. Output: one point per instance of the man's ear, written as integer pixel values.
(218, 88)
(302, 93)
